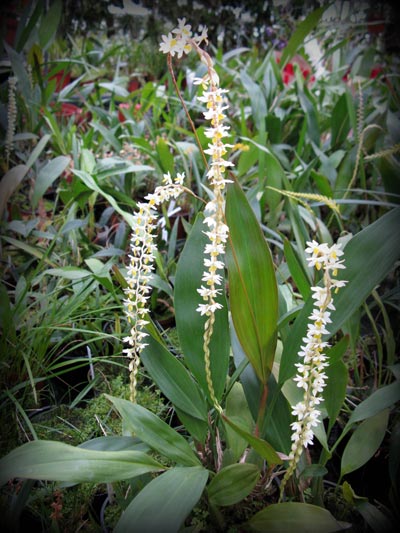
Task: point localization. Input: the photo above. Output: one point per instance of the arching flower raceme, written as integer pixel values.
(311, 376)
(179, 41)
(140, 268)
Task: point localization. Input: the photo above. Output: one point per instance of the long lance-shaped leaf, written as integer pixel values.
(165, 502)
(56, 461)
(155, 432)
(252, 284)
(369, 256)
(189, 322)
(301, 32)
(173, 379)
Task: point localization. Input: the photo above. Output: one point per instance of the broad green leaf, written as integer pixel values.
(233, 483)
(256, 95)
(114, 444)
(293, 516)
(165, 502)
(173, 379)
(56, 461)
(340, 122)
(49, 23)
(237, 410)
(375, 403)
(299, 35)
(335, 390)
(166, 158)
(364, 442)
(196, 427)
(311, 115)
(155, 432)
(47, 175)
(276, 424)
(389, 169)
(38, 150)
(189, 322)
(252, 284)
(9, 184)
(275, 176)
(369, 256)
(262, 447)
(68, 272)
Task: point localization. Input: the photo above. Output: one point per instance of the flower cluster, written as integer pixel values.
(141, 259)
(181, 40)
(310, 371)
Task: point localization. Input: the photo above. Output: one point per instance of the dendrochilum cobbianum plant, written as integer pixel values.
(310, 371)
(141, 265)
(259, 373)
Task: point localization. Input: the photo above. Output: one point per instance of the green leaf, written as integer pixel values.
(233, 483)
(165, 502)
(68, 272)
(196, 427)
(155, 432)
(340, 122)
(369, 256)
(311, 115)
(166, 158)
(89, 181)
(114, 444)
(293, 516)
(47, 175)
(375, 403)
(262, 447)
(256, 96)
(364, 442)
(335, 390)
(252, 284)
(173, 379)
(301, 32)
(49, 23)
(9, 184)
(296, 270)
(189, 322)
(237, 410)
(275, 176)
(56, 461)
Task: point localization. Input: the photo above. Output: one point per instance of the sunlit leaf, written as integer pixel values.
(252, 284)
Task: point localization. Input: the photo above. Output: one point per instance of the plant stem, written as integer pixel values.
(261, 409)
(178, 92)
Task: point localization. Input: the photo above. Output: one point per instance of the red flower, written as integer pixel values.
(376, 70)
(288, 74)
(67, 110)
(124, 105)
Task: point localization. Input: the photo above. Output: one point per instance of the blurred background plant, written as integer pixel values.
(91, 121)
